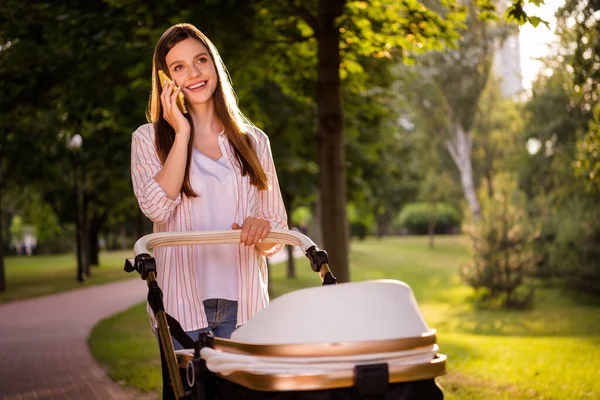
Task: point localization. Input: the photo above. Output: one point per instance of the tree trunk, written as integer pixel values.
(2, 273)
(291, 262)
(139, 225)
(96, 223)
(332, 166)
(123, 232)
(93, 248)
(317, 231)
(459, 146)
(85, 242)
(490, 183)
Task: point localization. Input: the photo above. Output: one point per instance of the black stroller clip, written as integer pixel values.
(319, 262)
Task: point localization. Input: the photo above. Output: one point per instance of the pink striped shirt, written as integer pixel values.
(176, 273)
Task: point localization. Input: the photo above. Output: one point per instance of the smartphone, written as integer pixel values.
(180, 101)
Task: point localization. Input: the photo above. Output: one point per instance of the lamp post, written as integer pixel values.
(74, 145)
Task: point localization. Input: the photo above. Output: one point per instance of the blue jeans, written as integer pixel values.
(221, 315)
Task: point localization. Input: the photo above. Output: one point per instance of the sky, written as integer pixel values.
(534, 41)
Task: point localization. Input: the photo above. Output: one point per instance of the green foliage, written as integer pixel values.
(563, 115)
(515, 12)
(574, 254)
(17, 229)
(501, 242)
(416, 217)
(361, 220)
(301, 216)
(587, 164)
(497, 133)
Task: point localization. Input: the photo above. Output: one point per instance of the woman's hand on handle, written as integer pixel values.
(171, 112)
(254, 230)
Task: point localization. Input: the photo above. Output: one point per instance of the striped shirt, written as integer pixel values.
(176, 265)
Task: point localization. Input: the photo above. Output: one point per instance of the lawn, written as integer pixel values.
(548, 352)
(34, 276)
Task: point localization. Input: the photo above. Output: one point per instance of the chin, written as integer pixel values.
(200, 100)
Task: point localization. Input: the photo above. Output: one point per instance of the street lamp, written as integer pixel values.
(74, 144)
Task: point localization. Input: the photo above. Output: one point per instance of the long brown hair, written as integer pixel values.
(226, 108)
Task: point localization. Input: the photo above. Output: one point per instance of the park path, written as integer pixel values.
(43, 343)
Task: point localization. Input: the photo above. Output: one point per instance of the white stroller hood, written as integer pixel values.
(313, 339)
(358, 311)
(334, 336)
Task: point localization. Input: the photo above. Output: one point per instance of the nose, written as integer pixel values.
(195, 72)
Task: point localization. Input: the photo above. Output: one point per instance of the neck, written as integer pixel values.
(205, 119)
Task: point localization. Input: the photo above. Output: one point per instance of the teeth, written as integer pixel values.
(197, 85)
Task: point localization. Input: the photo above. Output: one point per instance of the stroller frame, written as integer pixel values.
(370, 380)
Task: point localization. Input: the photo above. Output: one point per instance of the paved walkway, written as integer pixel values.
(43, 343)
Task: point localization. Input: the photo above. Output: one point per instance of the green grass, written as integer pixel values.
(35, 276)
(551, 351)
(125, 343)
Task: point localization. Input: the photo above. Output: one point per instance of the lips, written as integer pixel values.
(197, 86)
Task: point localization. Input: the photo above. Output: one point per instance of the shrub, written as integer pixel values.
(574, 256)
(415, 218)
(359, 229)
(502, 243)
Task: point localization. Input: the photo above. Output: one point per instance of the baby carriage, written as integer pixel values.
(362, 340)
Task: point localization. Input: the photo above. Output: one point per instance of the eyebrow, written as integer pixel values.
(196, 56)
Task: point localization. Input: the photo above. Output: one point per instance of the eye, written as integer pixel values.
(202, 60)
(177, 68)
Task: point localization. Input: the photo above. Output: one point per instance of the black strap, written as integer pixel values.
(179, 334)
(371, 381)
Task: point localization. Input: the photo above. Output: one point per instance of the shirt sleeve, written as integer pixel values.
(152, 198)
(270, 202)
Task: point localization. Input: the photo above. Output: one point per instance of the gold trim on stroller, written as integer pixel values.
(428, 365)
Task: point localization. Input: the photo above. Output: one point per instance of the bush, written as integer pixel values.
(502, 241)
(359, 229)
(574, 256)
(415, 218)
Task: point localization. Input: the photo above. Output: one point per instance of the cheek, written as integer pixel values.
(211, 69)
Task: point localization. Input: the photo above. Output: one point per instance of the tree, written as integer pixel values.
(585, 33)
(451, 86)
(288, 122)
(367, 31)
(560, 121)
(497, 134)
(77, 83)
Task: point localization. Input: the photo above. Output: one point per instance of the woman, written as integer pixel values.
(208, 169)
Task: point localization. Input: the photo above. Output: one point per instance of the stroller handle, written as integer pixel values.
(190, 238)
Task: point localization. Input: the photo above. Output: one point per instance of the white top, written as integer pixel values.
(176, 265)
(214, 210)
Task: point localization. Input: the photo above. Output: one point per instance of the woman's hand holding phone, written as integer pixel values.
(171, 111)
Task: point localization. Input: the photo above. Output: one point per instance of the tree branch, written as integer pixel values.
(454, 153)
(302, 12)
(298, 39)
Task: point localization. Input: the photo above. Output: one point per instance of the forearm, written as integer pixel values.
(171, 175)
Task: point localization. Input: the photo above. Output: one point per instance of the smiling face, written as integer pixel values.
(192, 68)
